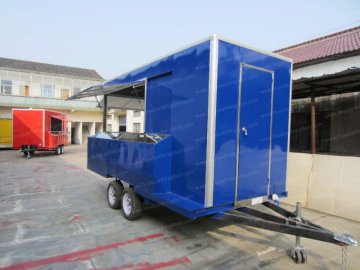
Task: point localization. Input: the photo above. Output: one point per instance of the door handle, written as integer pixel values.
(244, 130)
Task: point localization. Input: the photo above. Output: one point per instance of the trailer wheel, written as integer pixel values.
(57, 151)
(303, 256)
(297, 256)
(132, 204)
(62, 149)
(115, 189)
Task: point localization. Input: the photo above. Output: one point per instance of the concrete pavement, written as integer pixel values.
(54, 215)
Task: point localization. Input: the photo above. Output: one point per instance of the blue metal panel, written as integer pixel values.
(146, 166)
(176, 104)
(254, 132)
(230, 57)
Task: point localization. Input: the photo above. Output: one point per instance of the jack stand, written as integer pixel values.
(298, 253)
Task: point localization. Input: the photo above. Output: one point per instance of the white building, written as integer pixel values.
(135, 121)
(26, 84)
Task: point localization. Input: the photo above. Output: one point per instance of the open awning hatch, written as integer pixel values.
(121, 89)
(126, 96)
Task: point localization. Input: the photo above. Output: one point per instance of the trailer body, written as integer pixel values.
(39, 129)
(216, 128)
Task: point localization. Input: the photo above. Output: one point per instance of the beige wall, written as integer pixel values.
(85, 116)
(326, 183)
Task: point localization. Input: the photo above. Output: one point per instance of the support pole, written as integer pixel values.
(105, 113)
(313, 122)
(298, 217)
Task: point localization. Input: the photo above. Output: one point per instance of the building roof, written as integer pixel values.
(321, 49)
(83, 73)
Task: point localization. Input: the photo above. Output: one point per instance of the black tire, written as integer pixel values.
(114, 199)
(297, 256)
(303, 256)
(62, 149)
(57, 150)
(132, 204)
(25, 154)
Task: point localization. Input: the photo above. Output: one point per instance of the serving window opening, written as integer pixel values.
(132, 97)
(122, 96)
(56, 125)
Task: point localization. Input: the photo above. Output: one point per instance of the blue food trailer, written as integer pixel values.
(216, 134)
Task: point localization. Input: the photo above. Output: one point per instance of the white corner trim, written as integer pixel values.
(211, 125)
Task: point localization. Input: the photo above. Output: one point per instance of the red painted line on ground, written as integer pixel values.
(11, 222)
(173, 240)
(47, 168)
(149, 266)
(81, 255)
(71, 167)
(75, 218)
(53, 168)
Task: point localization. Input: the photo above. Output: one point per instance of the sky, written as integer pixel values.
(113, 37)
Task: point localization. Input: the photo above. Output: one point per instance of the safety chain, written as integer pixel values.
(344, 257)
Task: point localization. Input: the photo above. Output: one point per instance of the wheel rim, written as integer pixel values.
(126, 204)
(111, 195)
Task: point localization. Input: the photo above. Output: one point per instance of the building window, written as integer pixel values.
(76, 90)
(65, 93)
(24, 90)
(137, 113)
(6, 87)
(122, 123)
(136, 127)
(47, 90)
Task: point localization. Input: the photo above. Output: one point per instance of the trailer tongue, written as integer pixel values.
(289, 223)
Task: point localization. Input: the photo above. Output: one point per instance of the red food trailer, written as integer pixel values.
(39, 130)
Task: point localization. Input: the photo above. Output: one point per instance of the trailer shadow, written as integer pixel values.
(192, 227)
(237, 243)
(39, 154)
(228, 244)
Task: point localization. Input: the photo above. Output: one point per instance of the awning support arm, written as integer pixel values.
(105, 113)
(137, 96)
(98, 102)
